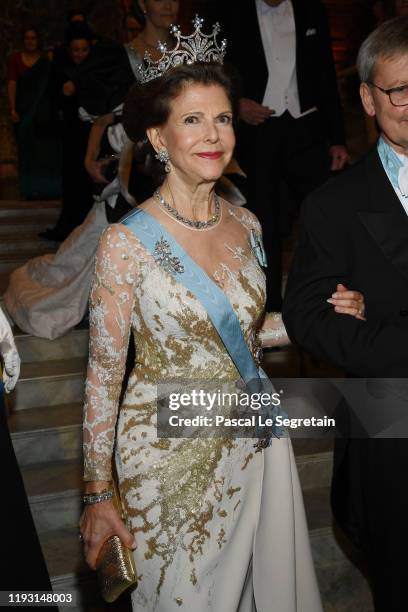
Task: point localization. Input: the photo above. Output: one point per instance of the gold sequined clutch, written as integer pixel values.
(115, 567)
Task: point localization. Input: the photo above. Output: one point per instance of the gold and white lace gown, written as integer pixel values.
(218, 527)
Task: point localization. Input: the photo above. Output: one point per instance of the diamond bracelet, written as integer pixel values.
(95, 498)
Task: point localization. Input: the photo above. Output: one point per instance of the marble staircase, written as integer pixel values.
(20, 223)
(45, 424)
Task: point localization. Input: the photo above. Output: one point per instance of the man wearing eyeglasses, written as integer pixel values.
(354, 232)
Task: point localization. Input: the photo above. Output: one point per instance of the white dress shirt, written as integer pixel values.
(278, 31)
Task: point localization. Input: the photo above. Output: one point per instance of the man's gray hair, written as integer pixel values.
(389, 40)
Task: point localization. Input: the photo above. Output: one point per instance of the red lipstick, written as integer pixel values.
(210, 154)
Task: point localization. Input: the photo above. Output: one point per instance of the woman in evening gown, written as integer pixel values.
(214, 524)
(48, 295)
(34, 115)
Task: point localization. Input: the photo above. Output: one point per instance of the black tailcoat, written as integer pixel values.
(284, 158)
(354, 231)
(22, 565)
(315, 71)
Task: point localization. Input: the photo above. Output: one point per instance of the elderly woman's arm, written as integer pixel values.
(111, 303)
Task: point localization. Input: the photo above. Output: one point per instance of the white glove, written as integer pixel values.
(9, 353)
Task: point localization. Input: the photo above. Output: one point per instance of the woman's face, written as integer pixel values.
(79, 49)
(30, 41)
(199, 135)
(161, 13)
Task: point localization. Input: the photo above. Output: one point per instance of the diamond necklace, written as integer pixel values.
(197, 225)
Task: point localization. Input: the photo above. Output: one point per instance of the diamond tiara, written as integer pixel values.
(197, 47)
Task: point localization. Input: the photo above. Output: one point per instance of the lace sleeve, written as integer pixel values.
(273, 331)
(111, 303)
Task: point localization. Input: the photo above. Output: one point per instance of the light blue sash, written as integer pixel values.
(168, 253)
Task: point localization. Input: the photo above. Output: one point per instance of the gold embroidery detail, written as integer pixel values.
(172, 488)
(247, 460)
(193, 577)
(221, 540)
(231, 491)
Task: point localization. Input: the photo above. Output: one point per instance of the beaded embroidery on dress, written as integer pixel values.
(193, 504)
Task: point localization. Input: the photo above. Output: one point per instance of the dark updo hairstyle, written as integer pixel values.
(149, 105)
(73, 13)
(138, 14)
(31, 28)
(78, 31)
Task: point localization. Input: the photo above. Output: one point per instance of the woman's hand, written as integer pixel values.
(97, 524)
(252, 112)
(348, 302)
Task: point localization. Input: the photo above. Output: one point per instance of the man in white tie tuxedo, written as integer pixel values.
(291, 130)
(354, 231)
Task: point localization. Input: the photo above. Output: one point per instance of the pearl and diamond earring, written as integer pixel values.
(163, 156)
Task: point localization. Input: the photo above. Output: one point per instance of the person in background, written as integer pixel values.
(35, 119)
(48, 295)
(401, 8)
(58, 53)
(126, 7)
(22, 565)
(158, 16)
(291, 129)
(354, 230)
(75, 16)
(113, 28)
(132, 27)
(77, 187)
(131, 19)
